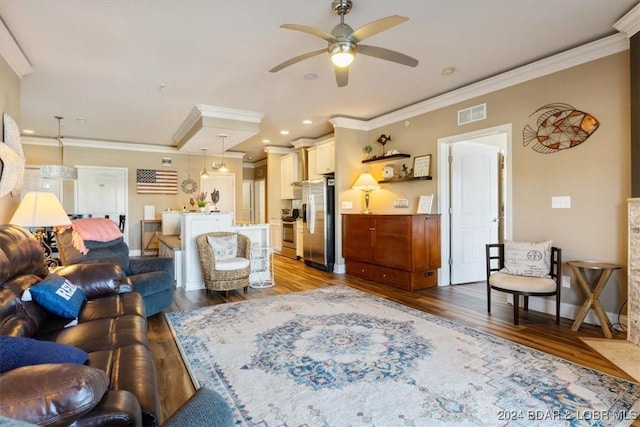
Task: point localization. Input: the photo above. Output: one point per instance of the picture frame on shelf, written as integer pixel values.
(422, 166)
(424, 204)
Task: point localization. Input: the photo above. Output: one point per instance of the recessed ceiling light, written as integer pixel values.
(306, 122)
(447, 71)
(28, 131)
(266, 141)
(284, 132)
(310, 76)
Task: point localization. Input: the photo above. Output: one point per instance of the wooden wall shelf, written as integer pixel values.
(387, 158)
(413, 178)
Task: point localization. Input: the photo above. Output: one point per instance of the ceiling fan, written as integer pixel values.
(344, 42)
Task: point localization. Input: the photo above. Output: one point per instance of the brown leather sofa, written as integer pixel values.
(117, 385)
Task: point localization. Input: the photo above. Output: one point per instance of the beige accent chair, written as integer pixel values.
(224, 274)
(522, 285)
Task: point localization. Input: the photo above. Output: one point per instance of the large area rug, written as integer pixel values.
(340, 357)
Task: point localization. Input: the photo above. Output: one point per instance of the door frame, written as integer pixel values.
(444, 189)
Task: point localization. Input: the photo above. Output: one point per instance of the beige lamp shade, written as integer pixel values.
(40, 209)
(366, 182)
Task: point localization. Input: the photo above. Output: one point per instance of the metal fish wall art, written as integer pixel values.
(560, 126)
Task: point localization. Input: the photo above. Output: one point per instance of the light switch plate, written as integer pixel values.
(561, 202)
(347, 205)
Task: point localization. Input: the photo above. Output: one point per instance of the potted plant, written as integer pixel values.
(201, 200)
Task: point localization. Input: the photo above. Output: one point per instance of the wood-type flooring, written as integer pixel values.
(465, 304)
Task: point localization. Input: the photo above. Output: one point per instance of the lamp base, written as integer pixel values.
(48, 259)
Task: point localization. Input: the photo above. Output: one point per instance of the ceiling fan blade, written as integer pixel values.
(298, 58)
(375, 27)
(309, 30)
(342, 76)
(387, 55)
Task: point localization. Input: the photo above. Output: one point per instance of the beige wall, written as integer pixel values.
(183, 163)
(595, 174)
(9, 103)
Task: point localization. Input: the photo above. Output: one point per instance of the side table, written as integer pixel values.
(593, 301)
(261, 267)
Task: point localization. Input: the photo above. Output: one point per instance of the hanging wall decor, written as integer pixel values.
(560, 126)
(149, 181)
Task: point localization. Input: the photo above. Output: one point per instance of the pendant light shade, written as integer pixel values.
(223, 166)
(204, 173)
(59, 171)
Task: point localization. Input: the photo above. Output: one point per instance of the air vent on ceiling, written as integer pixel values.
(472, 114)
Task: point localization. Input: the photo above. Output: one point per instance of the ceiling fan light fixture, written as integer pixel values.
(342, 53)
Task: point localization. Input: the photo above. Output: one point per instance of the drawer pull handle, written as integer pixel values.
(428, 274)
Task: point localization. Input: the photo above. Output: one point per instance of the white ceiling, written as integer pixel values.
(134, 70)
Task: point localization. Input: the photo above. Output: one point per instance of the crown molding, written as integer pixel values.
(271, 149)
(629, 23)
(93, 143)
(562, 61)
(11, 52)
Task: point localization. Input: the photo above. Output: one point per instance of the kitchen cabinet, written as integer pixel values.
(402, 251)
(276, 234)
(289, 175)
(299, 237)
(325, 158)
(312, 163)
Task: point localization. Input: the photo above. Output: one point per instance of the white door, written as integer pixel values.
(247, 202)
(474, 208)
(261, 202)
(102, 191)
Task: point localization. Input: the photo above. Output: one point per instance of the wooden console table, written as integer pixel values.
(593, 301)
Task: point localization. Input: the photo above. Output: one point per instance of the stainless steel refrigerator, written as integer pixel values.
(318, 239)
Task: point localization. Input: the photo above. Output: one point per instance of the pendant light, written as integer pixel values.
(59, 171)
(223, 166)
(204, 173)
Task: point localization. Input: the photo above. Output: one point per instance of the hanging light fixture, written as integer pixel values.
(223, 166)
(204, 173)
(59, 171)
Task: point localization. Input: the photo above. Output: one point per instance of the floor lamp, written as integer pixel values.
(37, 210)
(366, 183)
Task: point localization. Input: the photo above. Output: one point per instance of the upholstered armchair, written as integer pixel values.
(225, 260)
(150, 277)
(523, 268)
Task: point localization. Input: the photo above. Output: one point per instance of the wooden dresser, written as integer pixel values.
(398, 250)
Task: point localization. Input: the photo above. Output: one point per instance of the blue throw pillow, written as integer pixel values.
(17, 351)
(57, 295)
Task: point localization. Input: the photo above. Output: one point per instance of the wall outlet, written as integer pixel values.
(347, 205)
(566, 281)
(561, 202)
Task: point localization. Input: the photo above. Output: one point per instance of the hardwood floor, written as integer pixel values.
(465, 304)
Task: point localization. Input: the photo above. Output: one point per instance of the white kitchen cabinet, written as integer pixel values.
(289, 175)
(299, 237)
(276, 233)
(312, 163)
(325, 157)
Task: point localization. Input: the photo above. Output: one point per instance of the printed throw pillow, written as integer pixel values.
(16, 352)
(224, 247)
(527, 258)
(57, 295)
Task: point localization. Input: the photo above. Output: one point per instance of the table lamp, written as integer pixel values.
(40, 209)
(366, 183)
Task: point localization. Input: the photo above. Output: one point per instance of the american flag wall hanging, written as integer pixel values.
(149, 181)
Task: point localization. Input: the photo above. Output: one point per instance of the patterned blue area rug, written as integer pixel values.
(340, 357)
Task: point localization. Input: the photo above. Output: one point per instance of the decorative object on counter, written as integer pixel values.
(422, 165)
(559, 128)
(204, 173)
(201, 200)
(149, 181)
(59, 171)
(192, 202)
(366, 183)
(406, 172)
(38, 210)
(424, 204)
(383, 141)
(215, 198)
(11, 159)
